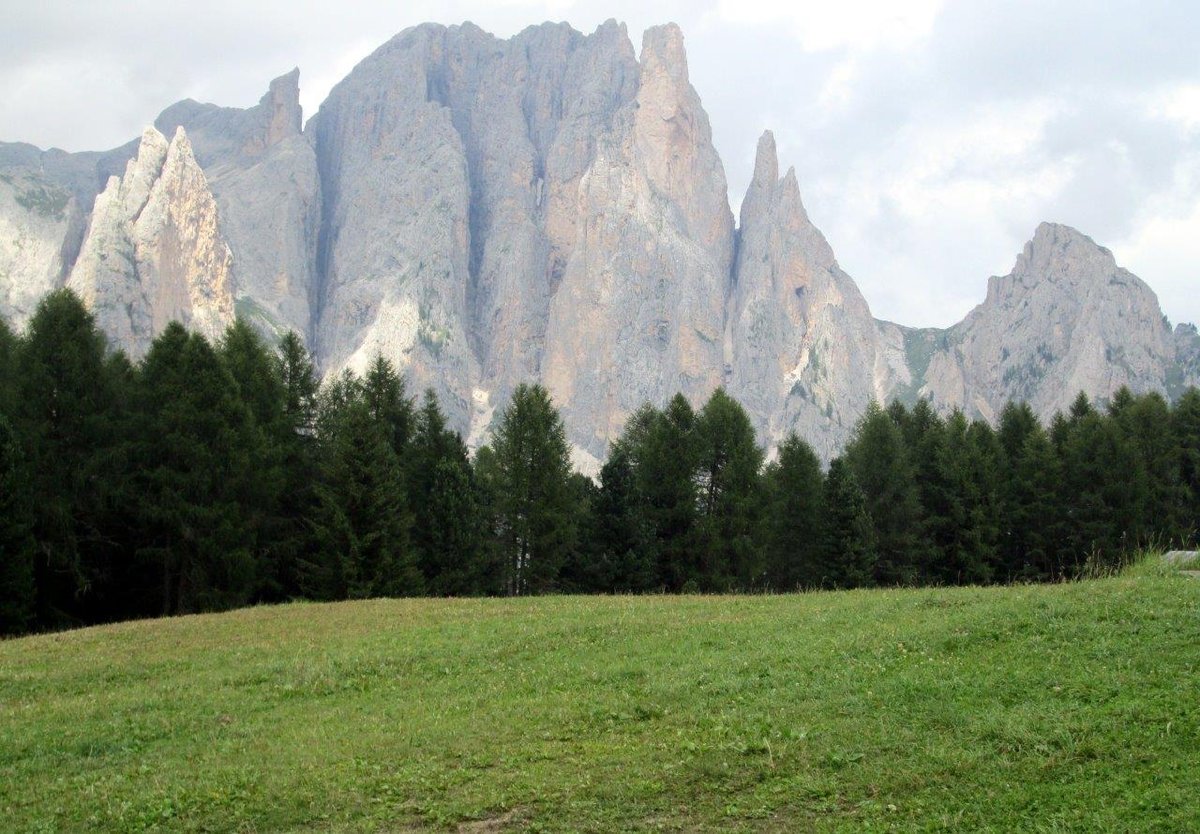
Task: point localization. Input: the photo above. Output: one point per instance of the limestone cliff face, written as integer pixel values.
(262, 171)
(35, 222)
(639, 313)
(153, 252)
(549, 208)
(802, 343)
(1066, 319)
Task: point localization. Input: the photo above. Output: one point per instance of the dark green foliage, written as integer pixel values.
(795, 508)
(361, 523)
(729, 492)
(884, 470)
(17, 588)
(535, 505)
(449, 530)
(662, 450)
(64, 412)
(205, 478)
(199, 457)
(850, 553)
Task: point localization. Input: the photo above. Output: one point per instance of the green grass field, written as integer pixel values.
(1056, 708)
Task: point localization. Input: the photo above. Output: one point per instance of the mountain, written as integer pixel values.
(548, 207)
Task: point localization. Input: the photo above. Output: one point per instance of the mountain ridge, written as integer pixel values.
(550, 207)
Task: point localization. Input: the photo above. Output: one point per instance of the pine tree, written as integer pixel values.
(198, 452)
(361, 523)
(621, 533)
(384, 393)
(534, 496)
(793, 533)
(1185, 427)
(849, 534)
(1034, 547)
(881, 464)
(62, 412)
(729, 490)
(18, 593)
(663, 450)
(1146, 424)
(449, 523)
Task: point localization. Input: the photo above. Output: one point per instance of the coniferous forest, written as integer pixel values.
(211, 476)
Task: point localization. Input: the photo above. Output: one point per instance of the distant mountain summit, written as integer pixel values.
(549, 207)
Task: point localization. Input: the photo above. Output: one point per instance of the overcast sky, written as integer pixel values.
(929, 137)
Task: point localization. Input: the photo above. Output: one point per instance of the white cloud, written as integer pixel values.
(851, 24)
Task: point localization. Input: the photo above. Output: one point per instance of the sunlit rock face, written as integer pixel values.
(153, 253)
(549, 207)
(1066, 319)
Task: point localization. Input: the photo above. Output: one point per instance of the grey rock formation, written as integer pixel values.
(153, 252)
(548, 207)
(1066, 319)
(262, 171)
(805, 355)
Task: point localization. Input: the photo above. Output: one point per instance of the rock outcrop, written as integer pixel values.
(1066, 319)
(804, 352)
(550, 207)
(262, 171)
(153, 252)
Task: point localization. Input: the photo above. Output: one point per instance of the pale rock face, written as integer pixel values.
(802, 343)
(153, 253)
(639, 314)
(263, 173)
(1185, 373)
(1066, 319)
(35, 223)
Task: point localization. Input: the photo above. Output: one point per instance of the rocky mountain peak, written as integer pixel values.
(663, 51)
(282, 102)
(766, 161)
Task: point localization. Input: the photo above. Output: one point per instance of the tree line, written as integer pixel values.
(210, 476)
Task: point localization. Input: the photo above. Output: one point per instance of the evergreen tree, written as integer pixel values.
(1145, 421)
(361, 524)
(384, 393)
(623, 540)
(663, 450)
(18, 593)
(197, 456)
(881, 465)
(729, 490)
(449, 523)
(1017, 423)
(849, 534)
(1034, 543)
(62, 412)
(8, 368)
(794, 539)
(1185, 425)
(534, 496)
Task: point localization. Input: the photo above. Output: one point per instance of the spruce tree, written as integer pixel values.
(197, 456)
(63, 412)
(729, 491)
(792, 525)
(361, 524)
(880, 461)
(850, 553)
(622, 536)
(1034, 547)
(385, 395)
(535, 505)
(18, 593)
(448, 531)
(1185, 427)
(663, 449)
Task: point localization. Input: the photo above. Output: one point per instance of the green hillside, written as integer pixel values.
(1047, 708)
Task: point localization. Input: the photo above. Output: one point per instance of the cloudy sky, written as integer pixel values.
(930, 137)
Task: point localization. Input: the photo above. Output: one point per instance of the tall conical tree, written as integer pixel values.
(449, 524)
(727, 480)
(663, 449)
(63, 412)
(792, 524)
(361, 523)
(1185, 426)
(535, 498)
(387, 399)
(18, 593)
(198, 452)
(623, 538)
(849, 534)
(881, 464)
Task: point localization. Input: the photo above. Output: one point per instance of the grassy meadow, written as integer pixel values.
(1072, 707)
